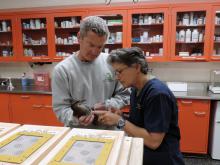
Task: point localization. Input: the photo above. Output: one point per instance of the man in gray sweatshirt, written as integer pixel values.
(86, 75)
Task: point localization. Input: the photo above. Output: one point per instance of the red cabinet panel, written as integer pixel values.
(4, 108)
(33, 109)
(194, 125)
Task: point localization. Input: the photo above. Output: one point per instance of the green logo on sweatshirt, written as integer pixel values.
(108, 77)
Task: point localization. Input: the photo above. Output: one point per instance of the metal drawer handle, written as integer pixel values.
(36, 106)
(200, 58)
(215, 58)
(186, 102)
(48, 106)
(200, 113)
(188, 57)
(36, 58)
(25, 97)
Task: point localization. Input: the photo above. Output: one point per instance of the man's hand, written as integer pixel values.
(86, 120)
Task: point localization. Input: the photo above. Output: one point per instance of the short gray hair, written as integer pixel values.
(129, 56)
(95, 24)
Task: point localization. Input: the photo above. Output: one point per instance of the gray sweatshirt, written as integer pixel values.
(93, 82)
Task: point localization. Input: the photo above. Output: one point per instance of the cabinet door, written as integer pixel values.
(33, 38)
(25, 109)
(194, 125)
(190, 33)
(215, 34)
(4, 110)
(47, 114)
(65, 27)
(116, 20)
(7, 38)
(33, 109)
(148, 29)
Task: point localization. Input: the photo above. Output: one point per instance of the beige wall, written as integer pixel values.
(173, 71)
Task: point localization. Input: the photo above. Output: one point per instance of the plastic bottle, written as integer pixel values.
(191, 18)
(188, 35)
(182, 35)
(186, 19)
(200, 37)
(24, 80)
(141, 19)
(195, 35)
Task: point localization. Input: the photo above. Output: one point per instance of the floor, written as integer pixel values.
(200, 160)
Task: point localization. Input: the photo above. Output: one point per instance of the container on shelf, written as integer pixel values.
(42, 79)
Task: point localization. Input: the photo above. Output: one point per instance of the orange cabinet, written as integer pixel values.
(7, 38)
(148, 29)
(33, 109)
(215, 34)
(116, 20)
(165, 31)
(34, 37)
(65, 27)
(190, 33)
(194, 125)
(4, 110)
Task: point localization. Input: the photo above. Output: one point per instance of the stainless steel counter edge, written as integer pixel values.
(206, 96)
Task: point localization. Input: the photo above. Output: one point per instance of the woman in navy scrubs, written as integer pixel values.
(153, 113)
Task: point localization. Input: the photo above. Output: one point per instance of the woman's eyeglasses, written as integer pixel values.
(119, 72)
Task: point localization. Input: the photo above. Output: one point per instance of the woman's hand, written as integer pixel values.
(86, 120)
(107, 117)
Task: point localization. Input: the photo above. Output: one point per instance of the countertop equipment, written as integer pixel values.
(215, 81)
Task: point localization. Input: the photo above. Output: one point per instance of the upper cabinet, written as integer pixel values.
(215, 35)
(7, 38)
(190, 33)
(65, 27)
(148, 29)
(117, 24)
(33, 38)
(165, 32)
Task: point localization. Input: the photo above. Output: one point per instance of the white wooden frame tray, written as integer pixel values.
(112, 157)
(7, 127)
(30, 132)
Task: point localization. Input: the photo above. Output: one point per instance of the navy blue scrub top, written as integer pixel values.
(155, 109)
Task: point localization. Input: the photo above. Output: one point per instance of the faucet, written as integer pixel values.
(10, 85)
(7, 82)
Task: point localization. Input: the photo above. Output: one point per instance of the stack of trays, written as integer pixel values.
(29, 144)
(47, 145)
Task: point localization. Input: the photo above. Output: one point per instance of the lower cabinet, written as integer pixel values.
(37, 109)
(33, 109)
(4, 108)
(194, 125)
